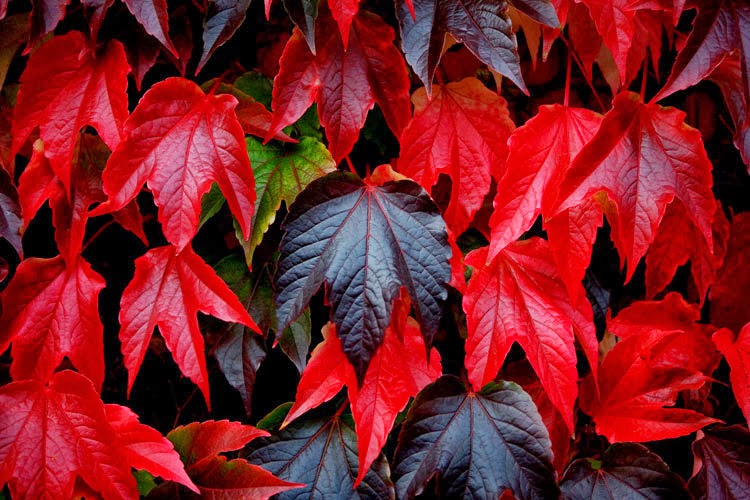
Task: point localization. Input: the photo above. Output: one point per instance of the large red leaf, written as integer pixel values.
(50, 435)
(345, 83)
(642, 157)
(66, 86)
(728, 307)
(461, 132)
(180, 140)
(50, 311)
(736, 350)
(520, 297)
(168, 289)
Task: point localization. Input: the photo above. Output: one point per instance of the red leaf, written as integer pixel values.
(50, 312)
(180, 140)
(652, 156)
(203, 441)
(737, 352)
(65, 87)
(344, 82)
(167, 291)
(614, 22)
(461, 132)
(520, 297)
(343, 11)
(728, 307)
(152, 15)
(52, 434)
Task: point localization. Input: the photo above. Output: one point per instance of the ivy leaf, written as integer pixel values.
(52, 434)
(365, 242)
(65, 87)
(460, 131)
(321, 453)
(478, 444)
(655, 157)
(180, 140)
(625, 470)
(224, 17)
(49, 313)
(736, 350)
(722, 467)
(168, 289)
(523, 279)
(370, 70)
(281, 173)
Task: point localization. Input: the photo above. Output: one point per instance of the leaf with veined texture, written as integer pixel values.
(224, 17)
(728, 307)
(722, 466)
(365, 242)
(180, 140)
(343, 11)
(653, 156)
(50, 311)
(199, 445)
(478, 444)
(625, 470)
(65, 87)
(168, 289)
(281, 173)
(519, 297)
(736, 350)
(344, 83)
(52, 434)
(462, 132)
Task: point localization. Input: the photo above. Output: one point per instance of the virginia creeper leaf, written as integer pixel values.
(654, 157)
(365, 242)
(304, 13)
(519, 297)
(50, 311)
(52, 434)
(736, 350)
(44, 17)
(11, 223)
(728, 308)
(168, 289)
(615, 23)
(180, 140)
(239, 353)
(627, 470)
(65, 87)
(461, 132)
(224, 17)
(722, 467)
(478, 444)
(345, 83)
(322, 453)
(153, 16)
(343, 11)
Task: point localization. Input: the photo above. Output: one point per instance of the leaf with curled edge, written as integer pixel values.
(477, 444)
(626, 470)
(365, 242)
(722, 466)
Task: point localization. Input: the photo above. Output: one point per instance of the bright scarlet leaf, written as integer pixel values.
(345, 83)
(252, 115)
(736, 350)
(65, 87)
(365, 242)
(728, 307)
(343, 11)
(520, 297)
(168, 290)
(722, 466)
(52, 434)
(461, 132)
(224, 17)
(180, 140)
(642, 157)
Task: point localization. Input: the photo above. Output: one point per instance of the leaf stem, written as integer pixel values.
(351, 165)
(644, 76)
(568, 64)
(579, 63)
(96, 234)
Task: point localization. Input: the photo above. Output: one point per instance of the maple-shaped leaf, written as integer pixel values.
(522, 279)
(627, 470)
(736, 350)
(199, 445)
(167, 290)
(654, 157)
(477, 444)
(461, 132)
(66, 86)
(180, 140)
(224, 17)
(728, 308)
(720, 28)
(345, 83)
(50, 311)
(721, 467)
(322, 453)
(539, 153)
(679, 241)
(53, 434)
(365, 242)
(281, 173)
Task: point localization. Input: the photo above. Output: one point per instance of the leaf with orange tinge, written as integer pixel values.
(167, 291)
(736, 350)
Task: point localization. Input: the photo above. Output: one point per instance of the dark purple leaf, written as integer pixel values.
(722, 461)
(541, 11)
(224, 17)
(303, 13)
(239, 354)
(10, 213)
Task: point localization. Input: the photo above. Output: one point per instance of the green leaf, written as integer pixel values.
(145, 482)
(211, 203)
(295, 341)
(275, 417)
(256, 86)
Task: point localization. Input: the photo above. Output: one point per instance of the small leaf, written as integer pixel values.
(224, 17)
